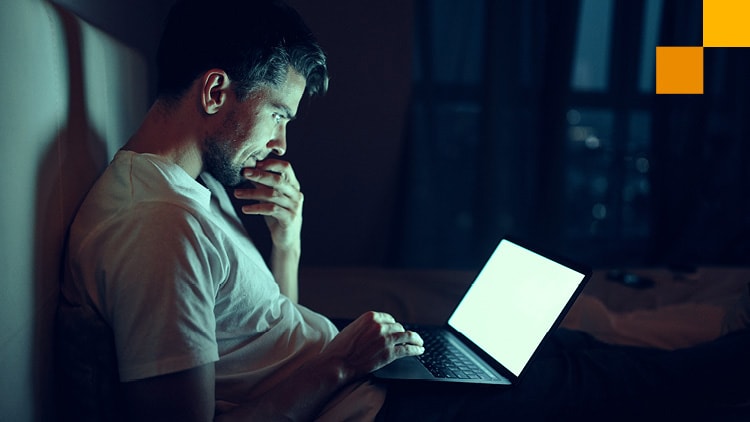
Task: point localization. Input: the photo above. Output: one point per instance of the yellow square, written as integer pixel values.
(679, 70)
(726, 23)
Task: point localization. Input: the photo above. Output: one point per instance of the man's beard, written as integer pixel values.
(217, 160)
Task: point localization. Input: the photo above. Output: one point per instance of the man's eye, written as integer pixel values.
(277, 117)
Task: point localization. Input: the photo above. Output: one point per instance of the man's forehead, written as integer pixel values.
(290, 92)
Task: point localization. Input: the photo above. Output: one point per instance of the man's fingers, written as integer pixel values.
(404, 350)
(272, 202)
(273, 173)
(383, 317)
(268, 178)
(408, 337)
(406, 343)
(283, 215)
(392, 327)
(277, 166)
(264, 194)
(395, 331)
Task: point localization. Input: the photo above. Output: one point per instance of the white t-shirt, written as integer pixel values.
(168, 265)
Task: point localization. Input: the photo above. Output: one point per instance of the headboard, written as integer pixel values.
(75, 94)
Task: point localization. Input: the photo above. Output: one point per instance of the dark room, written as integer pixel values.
(606, 137)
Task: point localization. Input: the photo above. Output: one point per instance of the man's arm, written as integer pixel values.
(370, 342)
(182, 396)
(285, 268)
(280, 202)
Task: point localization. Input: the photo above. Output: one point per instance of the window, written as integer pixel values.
(607, 209)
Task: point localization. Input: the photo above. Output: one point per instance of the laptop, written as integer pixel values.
(519, 297)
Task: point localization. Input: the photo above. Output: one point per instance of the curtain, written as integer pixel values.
(487, 151)
(481, 151)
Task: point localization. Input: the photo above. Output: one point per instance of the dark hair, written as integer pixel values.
(254, 41)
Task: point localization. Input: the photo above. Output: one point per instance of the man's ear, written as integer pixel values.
(215, 84)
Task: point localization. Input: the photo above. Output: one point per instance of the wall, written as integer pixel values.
(74, 96)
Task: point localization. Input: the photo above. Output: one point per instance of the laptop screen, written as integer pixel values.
(513, 303)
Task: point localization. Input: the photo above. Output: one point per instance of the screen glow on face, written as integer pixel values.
(513, 303)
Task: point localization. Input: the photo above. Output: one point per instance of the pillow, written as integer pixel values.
(86, 366)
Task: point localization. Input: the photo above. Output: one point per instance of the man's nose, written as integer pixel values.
(278, 143)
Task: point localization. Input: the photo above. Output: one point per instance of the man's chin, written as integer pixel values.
(228, 179)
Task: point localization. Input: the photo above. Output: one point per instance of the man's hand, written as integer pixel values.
(372, 341)
(280, 200)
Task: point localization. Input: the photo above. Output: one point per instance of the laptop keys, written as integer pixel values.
(445, 361)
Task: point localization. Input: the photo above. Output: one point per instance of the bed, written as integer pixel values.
(676, 308)
(680, 309)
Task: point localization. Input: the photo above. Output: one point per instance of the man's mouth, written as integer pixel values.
(251, 161)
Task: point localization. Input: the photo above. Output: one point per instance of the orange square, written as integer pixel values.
(725, 23)
(679, 70)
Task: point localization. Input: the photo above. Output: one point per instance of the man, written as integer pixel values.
(203, 330)
(157, 250)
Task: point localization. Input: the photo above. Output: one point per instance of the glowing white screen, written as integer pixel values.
(513, 303)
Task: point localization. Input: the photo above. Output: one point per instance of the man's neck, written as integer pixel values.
(169, 131)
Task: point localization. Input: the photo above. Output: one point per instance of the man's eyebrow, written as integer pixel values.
(286, 110)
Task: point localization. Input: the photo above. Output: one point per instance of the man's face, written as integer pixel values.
(252, 129)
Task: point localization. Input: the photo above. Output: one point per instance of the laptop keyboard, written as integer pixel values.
(444, 360)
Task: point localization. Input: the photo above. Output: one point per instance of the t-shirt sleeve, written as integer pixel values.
(159, 273)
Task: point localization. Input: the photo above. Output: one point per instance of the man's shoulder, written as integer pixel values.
(150, 178)
(152, 238)
(138, 186)
(126, 204)
(151, 219)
